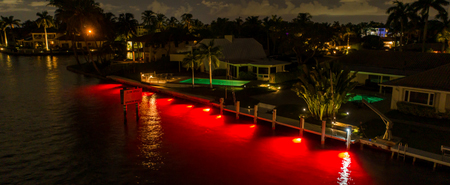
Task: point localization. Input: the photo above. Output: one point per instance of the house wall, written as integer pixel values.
(156, 52)
(441, 101)
(447, 102)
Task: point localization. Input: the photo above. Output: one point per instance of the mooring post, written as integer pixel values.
(349, 136)
(255, 114)
(221, 106)
(274, 117)
(125, 114)
(137, 112)
(302, 125)
(237, 109)
(322, 139)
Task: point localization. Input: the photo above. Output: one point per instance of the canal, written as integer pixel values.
(58, 127)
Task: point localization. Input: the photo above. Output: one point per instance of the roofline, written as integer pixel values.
(415, 88)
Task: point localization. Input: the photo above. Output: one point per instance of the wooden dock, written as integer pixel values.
(420, 154)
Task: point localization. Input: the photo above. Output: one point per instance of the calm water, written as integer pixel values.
(57, 127)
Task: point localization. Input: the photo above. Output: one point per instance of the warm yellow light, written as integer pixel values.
(90, 31)
(297, 140)
(344, 155)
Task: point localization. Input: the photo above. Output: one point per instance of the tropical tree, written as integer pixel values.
(9, 21)
(78, 15)
(324, 87)
(172, 22)
(148, 17)
(186, 20)
(444, 37)
(348, 32)
(192, 60)
(210, 53)
(424, 7)
(127, 24)
(398, 14)
(46, 21)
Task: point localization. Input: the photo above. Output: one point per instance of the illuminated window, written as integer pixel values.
(419, 97)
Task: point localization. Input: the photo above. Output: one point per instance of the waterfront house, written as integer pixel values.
(155, 46)
(375, 66)
(429, 88)
(36, 39)
(243, 55)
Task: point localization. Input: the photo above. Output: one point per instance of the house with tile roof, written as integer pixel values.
(377, 67)
(244, 55)
(428, 88)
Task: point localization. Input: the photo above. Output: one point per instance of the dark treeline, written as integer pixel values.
(299, 37)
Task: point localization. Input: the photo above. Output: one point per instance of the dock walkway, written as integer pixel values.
(420, 154)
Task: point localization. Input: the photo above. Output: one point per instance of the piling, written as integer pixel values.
(274, 117)
(322, 139)
(221, 106)
(349, 136)
(237, 109)
(125, 114)
(255, 114)
(137, 112)
(302, 126)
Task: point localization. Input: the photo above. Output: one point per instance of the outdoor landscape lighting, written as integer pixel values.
(297, 140)
(170, 99)
(206, 110)
(304, 109)
(348, 113)
(252, 126)
(189, 106)
(219, 116)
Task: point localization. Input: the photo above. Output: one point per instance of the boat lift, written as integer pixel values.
(388, 134)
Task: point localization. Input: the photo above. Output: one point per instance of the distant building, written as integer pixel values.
(36, 39)
(381, 32)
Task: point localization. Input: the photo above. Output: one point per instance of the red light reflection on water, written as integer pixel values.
(237, 148)
(206, 110)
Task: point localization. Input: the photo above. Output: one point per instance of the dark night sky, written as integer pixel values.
(344, 11)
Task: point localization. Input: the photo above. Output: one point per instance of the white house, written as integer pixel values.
(429, 88)
(243, 55)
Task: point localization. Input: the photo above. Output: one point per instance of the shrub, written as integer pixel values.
(417, 110)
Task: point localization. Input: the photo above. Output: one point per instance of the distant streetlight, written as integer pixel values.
(90, 31)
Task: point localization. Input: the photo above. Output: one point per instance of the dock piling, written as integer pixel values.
(274, 117)
(221, 106)
(349, 136)
(125, 114)
(237, 109)
(255, 114)
(322, 139)
(302, 126)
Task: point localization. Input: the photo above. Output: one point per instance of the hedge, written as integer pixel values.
(417, 110)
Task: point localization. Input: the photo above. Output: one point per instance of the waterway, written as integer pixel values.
(58, 127)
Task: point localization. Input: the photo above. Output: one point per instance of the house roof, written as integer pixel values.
(163, 37)
(239, 48)
(434, 79)
(261, 61)
(394, 63)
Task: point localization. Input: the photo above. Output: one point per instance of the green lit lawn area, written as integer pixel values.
(216, 82)
(369, 99)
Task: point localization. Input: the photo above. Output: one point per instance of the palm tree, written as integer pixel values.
(9, 21)
(127, 25)
(322, 96)
(147, 17)
(78, 15)
(424, 7)
(192, 60)
(444, 37)
(348, 33)
(3, 28)
(211, 53)
(398, 14)
(173, 22)
(46, 21)
(160, 22)
(186, 19)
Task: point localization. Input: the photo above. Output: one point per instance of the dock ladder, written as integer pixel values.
(401, 150)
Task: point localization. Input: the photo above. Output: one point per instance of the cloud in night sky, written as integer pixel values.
(207, 10)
